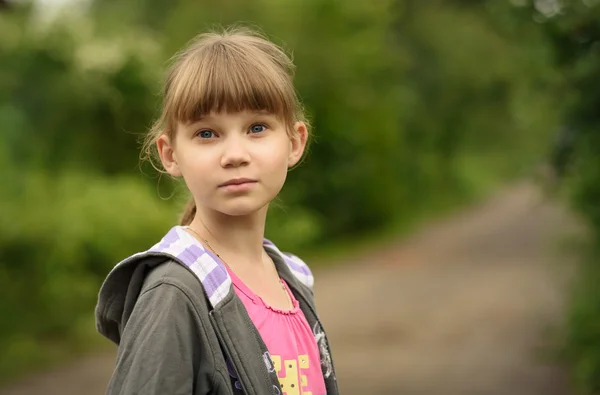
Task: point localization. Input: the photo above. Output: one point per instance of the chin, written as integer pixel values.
(240, 209)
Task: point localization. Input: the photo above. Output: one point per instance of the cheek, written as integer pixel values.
(278, 150)
(195, 168)
(277, 170)
(276, 156)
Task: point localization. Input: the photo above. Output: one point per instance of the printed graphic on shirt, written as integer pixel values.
(268, 362)
(323, 350)
(290, 373)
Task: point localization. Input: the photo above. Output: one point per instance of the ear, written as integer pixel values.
(297, 143)
(167, 155)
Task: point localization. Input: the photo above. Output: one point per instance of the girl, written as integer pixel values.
(213, 307)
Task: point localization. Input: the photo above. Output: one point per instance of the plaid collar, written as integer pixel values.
(209, 269)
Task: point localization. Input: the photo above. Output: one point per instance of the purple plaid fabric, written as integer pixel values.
(209, 269)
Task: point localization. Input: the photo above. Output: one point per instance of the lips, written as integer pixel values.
(237, 181)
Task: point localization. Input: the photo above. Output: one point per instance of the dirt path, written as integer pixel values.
(463, 307)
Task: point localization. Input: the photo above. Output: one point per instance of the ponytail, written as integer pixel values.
(188, 213)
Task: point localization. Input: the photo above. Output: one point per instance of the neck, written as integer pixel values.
(239, 238)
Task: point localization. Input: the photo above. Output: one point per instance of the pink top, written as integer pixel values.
(289, 339)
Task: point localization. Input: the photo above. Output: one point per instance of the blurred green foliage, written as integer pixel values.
(574, 35)
(416, 106)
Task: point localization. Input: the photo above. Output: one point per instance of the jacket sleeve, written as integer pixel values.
(161, 349)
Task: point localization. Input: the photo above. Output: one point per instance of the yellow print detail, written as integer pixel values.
(290, 383)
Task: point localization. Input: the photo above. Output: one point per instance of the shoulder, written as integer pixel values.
(166, 344)
(173, 277)
(300, 269)
(297, 266)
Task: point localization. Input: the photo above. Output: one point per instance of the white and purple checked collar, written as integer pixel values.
(208, 268)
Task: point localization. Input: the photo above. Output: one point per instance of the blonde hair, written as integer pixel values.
(235, 70)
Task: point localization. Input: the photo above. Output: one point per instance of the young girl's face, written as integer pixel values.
(233, 163)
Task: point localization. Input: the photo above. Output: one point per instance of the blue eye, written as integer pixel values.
(259, 127)
(205, 134)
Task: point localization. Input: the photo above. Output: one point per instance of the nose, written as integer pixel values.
(235, 152)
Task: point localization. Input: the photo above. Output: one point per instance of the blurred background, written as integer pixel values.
(452, 191)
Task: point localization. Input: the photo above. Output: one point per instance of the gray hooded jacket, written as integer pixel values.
(182, 330)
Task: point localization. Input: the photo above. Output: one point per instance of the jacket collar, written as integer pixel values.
(211, 271)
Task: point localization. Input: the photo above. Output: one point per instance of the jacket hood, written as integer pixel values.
(122, 286)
